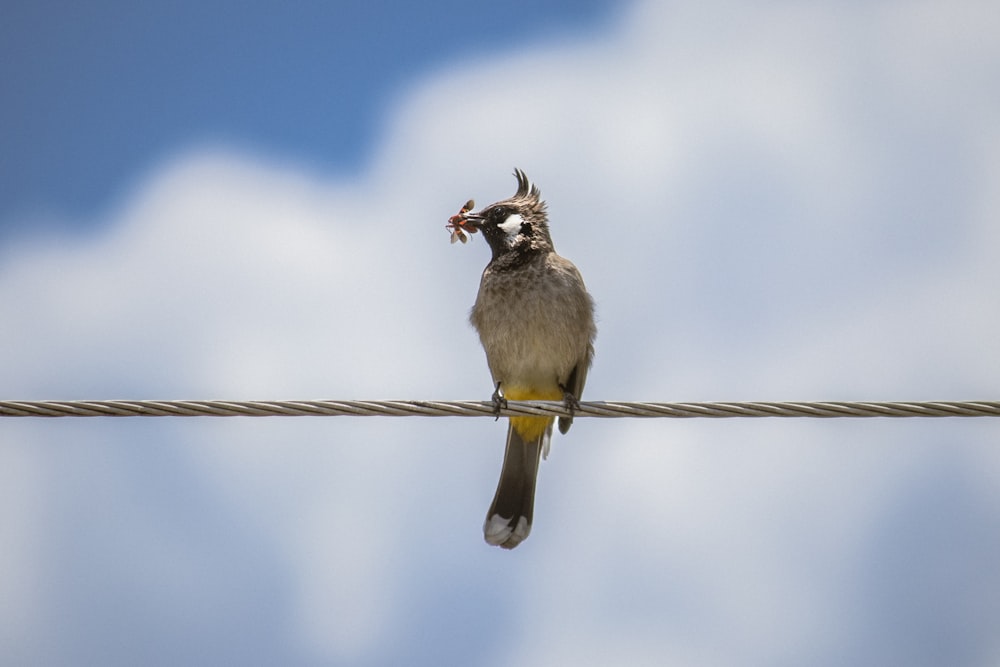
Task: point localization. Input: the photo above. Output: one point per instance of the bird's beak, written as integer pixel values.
(474, 220)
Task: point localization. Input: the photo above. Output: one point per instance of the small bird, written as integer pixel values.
(535, 320)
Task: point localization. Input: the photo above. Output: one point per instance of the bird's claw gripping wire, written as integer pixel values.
(570, 401)
(499, 402)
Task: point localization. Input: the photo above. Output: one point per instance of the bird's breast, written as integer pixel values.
(535, 326)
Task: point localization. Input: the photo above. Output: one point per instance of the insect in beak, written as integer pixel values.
(460, 225)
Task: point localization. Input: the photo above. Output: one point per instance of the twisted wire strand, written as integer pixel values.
(605, 409)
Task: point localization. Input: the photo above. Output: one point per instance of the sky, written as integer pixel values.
(785, 201)
(96, 96)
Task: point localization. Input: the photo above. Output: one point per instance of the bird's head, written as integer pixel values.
(518, 224)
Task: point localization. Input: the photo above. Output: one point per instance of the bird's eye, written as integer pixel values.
(501, 213)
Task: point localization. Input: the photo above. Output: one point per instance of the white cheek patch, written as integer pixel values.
(512, 227)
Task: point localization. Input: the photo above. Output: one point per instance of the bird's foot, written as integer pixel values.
(570, 401)
(499, 402)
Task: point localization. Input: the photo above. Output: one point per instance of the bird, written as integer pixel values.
(535, 320)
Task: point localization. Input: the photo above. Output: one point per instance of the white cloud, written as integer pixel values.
(792, 202)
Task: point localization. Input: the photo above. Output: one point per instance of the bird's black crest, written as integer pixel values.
(525, 188)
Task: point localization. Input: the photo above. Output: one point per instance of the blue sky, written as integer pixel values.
(96, 95)
(791, 201)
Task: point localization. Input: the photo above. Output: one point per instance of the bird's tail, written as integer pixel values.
(508, 521)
